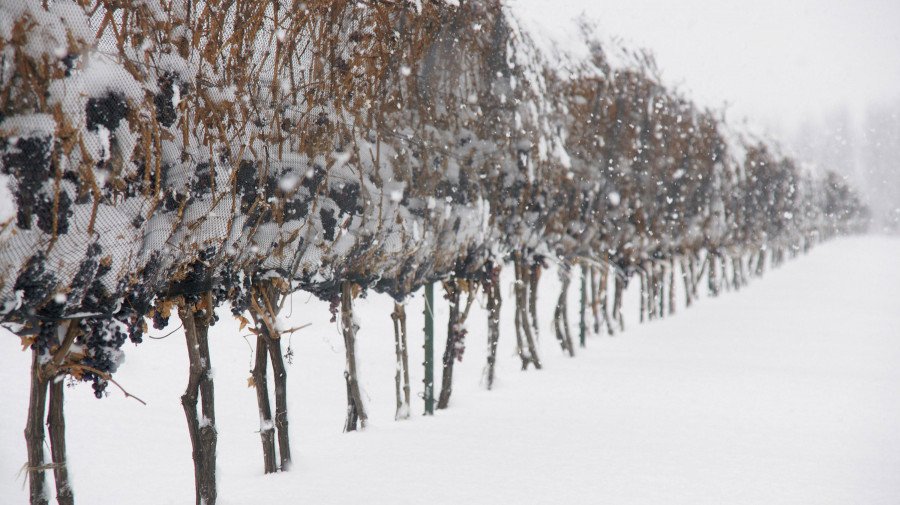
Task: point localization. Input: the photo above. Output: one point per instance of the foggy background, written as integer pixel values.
(822, 77)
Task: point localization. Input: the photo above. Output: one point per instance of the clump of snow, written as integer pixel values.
(613, 198)
(289, 182)
(7, 201)
(29, 125)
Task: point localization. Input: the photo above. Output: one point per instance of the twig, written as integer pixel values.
(103, 375)
(296, 328)
(167, 334)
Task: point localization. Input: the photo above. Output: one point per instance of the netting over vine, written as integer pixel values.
(171, 147)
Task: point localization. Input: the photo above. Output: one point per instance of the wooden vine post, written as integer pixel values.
(47, 376)
(618, 289)
(429, 349)
(195, 316)
(34, 432)
(456, 333)
(452, 289)
(604, 298)
(494, 302)
(593, 272)
(560, 314)
(525, 341)
(356, 410)
(401, 377)
(264, 310)
(582, 307)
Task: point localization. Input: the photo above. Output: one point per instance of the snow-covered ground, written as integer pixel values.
(786, 392)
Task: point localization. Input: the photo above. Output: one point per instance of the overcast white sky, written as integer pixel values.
(778, 62)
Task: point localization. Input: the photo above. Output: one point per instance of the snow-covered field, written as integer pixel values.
(785, 392)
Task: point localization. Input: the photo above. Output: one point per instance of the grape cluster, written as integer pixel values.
(45, 337)
(160, 321)
(232, 286)
(101, 340)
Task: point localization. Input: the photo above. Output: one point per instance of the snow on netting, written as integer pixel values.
(174, 147)
(154, 148)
